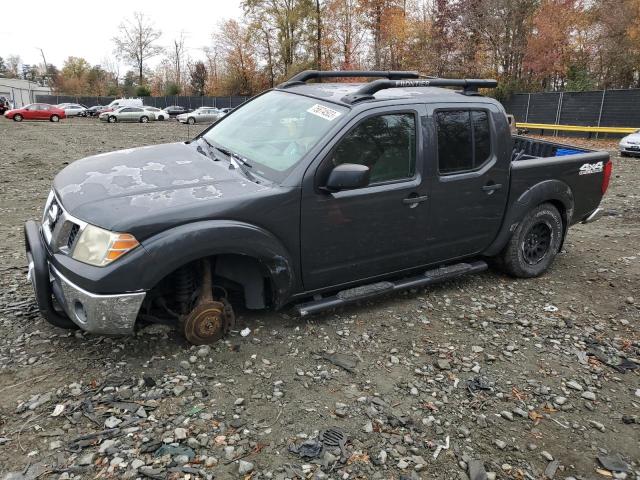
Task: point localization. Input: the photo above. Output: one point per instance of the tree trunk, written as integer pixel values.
(319, 37)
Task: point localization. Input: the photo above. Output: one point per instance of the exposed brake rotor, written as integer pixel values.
(210, 319)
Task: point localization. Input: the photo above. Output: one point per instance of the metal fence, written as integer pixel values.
(601, 108)
(160, 102)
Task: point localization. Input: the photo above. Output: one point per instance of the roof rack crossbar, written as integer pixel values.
(469, 86)
(314, 74)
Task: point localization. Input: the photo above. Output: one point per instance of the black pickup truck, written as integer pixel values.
(312, 195)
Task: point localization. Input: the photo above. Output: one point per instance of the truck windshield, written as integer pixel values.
(274, 131)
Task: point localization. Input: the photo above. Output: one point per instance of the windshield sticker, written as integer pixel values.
(324, 112)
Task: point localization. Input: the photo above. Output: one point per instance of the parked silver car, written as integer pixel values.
(201, 115)
(127, 114)
(630, 145)
(73, 109)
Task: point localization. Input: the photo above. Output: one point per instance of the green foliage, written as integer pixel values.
(172, 89)
(579, 80)
(143, 91)
(113, 91)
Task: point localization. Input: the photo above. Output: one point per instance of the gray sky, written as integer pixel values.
(85, 28)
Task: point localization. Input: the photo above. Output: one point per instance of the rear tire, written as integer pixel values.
(535, 243)
(54, 118)
(144, 119)
(17, 118)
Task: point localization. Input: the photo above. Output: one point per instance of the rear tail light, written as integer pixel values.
(607, 176)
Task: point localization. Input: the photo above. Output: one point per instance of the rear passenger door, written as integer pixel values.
(468, 168)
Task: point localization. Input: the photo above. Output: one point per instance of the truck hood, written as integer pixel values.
(132, 188)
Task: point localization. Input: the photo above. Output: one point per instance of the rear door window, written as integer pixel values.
(464, 140)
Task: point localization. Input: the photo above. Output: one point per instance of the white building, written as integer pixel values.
(21, 92)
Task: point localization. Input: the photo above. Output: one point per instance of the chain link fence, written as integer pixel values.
(600, 108)
(159, 102)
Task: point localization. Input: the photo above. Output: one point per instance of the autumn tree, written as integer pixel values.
(345, 34)
(240, 63)
(292, 24)
(13, 66)
(616, 42)
(136, 42)
(552, 48)
(73, 78)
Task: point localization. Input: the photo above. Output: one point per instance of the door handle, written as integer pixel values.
(415, 200)
(492, 187)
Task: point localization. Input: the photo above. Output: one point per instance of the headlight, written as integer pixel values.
(100, 247)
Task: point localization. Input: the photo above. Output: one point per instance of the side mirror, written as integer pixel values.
(348, 176)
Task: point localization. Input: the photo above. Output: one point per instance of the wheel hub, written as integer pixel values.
(205, 323)
(536, 243)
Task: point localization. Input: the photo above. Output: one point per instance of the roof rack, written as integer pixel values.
(302, 77)
(469, 86)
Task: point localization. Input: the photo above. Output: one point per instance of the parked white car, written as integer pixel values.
(73, 109)
(158, 113)
(630, 145)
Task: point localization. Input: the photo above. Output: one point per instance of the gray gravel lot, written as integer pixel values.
(483, 377)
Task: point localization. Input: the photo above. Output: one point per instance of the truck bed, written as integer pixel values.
(526, 148)
(564, 166)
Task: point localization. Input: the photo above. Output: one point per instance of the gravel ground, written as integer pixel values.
(482, 377)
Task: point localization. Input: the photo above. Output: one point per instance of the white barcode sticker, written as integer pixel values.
(324, 112)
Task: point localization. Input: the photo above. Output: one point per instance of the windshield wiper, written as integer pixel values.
(235, 159)
(234, 155)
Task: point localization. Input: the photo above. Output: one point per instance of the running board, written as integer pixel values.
(364, 292)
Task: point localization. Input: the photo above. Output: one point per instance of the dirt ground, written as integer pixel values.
(519, 375)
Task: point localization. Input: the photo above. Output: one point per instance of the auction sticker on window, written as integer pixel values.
(324, 112)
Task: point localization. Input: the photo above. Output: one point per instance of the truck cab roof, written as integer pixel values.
(335, 92)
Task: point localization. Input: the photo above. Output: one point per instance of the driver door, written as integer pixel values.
(357, 234)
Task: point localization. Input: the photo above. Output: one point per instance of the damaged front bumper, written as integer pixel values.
(58, 297)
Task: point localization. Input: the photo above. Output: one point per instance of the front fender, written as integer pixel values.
(546, 191)
(178, 246)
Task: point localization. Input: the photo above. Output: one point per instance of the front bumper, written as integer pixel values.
(630, 149)
(95, 313)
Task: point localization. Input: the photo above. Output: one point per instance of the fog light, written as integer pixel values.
(80, 312)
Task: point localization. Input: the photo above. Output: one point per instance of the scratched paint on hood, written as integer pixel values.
(107, 188)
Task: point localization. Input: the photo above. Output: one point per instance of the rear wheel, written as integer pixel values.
(112, 119)
(535, 243)
(17, 117)
(54, 118)
(144, 119)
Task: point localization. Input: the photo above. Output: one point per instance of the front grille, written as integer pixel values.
(60, 229)
(73, 233)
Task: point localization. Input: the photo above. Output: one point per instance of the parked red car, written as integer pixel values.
(35, 111)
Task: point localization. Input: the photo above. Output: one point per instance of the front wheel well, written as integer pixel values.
(242, 279)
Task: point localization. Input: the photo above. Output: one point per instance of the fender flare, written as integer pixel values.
(545, 191)
(180, 245)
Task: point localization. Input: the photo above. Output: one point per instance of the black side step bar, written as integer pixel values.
(364, 292)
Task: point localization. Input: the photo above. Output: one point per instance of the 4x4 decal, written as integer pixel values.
(589, 168)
